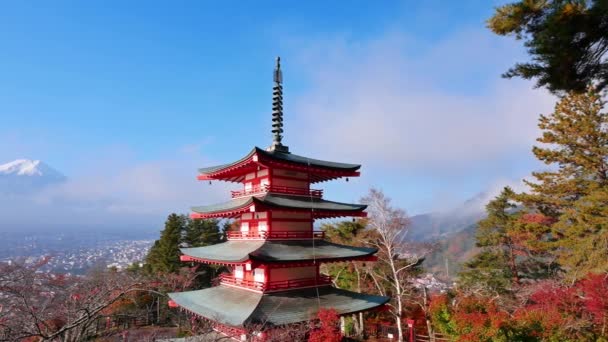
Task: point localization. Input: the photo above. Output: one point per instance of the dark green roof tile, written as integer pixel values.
(284, 201)
(288, 157)
(277, 251)
(230, 251)
(295, 250)
(237, 307)
(227, 305)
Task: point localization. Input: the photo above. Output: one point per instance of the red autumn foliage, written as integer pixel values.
(537, 218)
(567, 312)
(479, 320)
(595, 289)
(329, 330)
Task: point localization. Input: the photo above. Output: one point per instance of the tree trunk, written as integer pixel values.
(361, 324)
(399, 328)
(429, 326)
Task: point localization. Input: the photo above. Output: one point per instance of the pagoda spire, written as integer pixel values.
(277, 110)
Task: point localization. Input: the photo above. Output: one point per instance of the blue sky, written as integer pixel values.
(127, 98)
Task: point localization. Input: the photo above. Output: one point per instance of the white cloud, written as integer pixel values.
(441, 106)
(116, 194)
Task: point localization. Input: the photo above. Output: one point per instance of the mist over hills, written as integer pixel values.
(438, 225)
(453, 234)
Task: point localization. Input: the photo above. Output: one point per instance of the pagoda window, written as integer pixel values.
(280, 274)
(248, 187)
(291, 226)
(292, 183)
(239, 272)
(261, 215)
(244, 227)
(263, 173)
(259, 275)
(264, 182)
(262, 227)
(288, 215)
(250, 176)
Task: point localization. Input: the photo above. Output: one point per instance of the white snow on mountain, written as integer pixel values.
(26, 175)
(27, 167)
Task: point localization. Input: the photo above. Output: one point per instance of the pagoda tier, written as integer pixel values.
(276, 251)
(237, 308)
(319, 208)
(259, 159)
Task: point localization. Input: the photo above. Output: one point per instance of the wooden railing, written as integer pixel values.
(229, 279)
(278, 235)
(285, 190)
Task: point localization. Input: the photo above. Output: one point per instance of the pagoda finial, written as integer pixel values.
(277, 110)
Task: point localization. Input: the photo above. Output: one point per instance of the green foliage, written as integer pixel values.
(472, 319)
(567, 39)
(493, 270)
(181, 231)
(198, 233)
(345, 232)
(583, 231)
(163, 257)
(348, 276)
(511, 250)
(573, 196)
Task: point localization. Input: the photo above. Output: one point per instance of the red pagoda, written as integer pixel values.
(274, 257)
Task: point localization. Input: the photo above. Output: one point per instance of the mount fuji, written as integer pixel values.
(24, 176)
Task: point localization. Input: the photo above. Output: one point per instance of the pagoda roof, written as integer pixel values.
(240, 308)
(276, 251)
(235, 171)
(321, 208)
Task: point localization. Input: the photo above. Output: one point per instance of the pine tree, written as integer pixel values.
(200, 233)
(567, 39)
(494, 269)
(163, 257)
(583, 231)
(576, 138)
(573, 196)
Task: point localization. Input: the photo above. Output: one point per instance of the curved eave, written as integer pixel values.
(227, 253)
(223, 304)
(294, 251)
(319, 208)
(228, 209)
(319, 170)
(276, 251)
(240, 308)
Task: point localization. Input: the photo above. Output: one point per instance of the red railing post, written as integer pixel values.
(410, 326)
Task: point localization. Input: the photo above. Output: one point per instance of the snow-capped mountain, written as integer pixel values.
(26, 175)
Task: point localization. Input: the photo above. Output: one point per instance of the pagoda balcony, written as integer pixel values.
(274, 235)
(284, 190)
(280, 285)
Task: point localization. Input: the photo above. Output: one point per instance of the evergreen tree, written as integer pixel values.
(576, 138)
(573, 195)
(200, 233)
(494, 269)
(583, 231)
(163, 257)
(512, 249)
(567, 39)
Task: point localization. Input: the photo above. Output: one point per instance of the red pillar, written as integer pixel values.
(410, 326)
